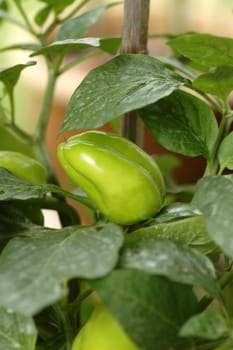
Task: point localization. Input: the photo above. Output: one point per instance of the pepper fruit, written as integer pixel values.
(22, 166)
(102, 332)
(124, 182)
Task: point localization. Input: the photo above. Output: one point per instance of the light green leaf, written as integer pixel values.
(225, 154)
(174, 260)
(213, 197)
(125, 83)
(151, 309)
(16, 331)
(205, 49)
(182, 123)
(77, 27)
(208, 325)
(34, 269)
(218, 82)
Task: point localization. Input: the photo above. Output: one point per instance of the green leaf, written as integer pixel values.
(9, 76)
(151, 309)
(64, 46)
(125, 83)
(58, 5)
(218, 82)
(167, 164)
(213, 198)
(77, 27)
(42, 15)
(190, 231)
(173, 260)
(225, 154)
(34, 269)
(205, 49)
(174, 212)
(182, 123)
(208, 325)
(16, 331)
(12, 187)
(21, 46)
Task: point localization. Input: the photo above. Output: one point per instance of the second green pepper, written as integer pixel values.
(123, 181)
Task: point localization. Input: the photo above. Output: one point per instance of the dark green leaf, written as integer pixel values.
(9, 76)
(34, 269)
(218, 82)
(77, 27)
(173, 260)
(205, 49)
(182, 123)
(213, 198)
(190, 231)
(225, 154)
(125, 83)
(151, 309)
(208, 325)
(42, 15)
(12, 187)
(16, 331)
(174, 212)
(58, 5)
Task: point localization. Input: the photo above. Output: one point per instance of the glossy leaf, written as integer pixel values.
(9, 76)
(182, 123)
(205, 49)
(213, 198)
(151, 309)
(77, 27)
(207, 325)
(12, 187)
(174, 212)
(225, 154)
(218, 82)
(34, 269)
(16, 331)
(125, 83)
(171, 259)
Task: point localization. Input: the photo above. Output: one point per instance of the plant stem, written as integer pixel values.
(25, 17)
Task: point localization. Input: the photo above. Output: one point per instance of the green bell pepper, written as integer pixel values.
(22, 166)
(123, 182)
(102, 332)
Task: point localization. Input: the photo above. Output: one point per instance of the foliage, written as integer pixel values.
(158, 277)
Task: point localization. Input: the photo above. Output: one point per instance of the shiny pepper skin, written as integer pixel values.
(23, 167)
(102, 332)
(123, 182)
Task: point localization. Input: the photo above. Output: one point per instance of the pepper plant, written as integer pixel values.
(162, 281)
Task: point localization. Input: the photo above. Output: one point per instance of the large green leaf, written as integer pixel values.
(218, 82)
(182, 123)
(205, 49)
(214, 196)
(151, 309)
(34, 269)
(16, 331)
(207, 325)
(12, 187)
(225, 154)
(174, 260)
(125, 83)
(77, 27)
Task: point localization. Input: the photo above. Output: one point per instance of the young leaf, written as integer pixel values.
(213, 198)
(182, 123)
(34, 269)
(58, 5)
(208, 325)
(151, 309)
(173, 260)
(225, 154)
(42, 15)
(218, 82)
(9, 76)
(125, 83)
(16, 331)
(77, 27)
(205, 49)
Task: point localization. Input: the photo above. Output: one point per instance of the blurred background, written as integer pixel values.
(166, 16)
